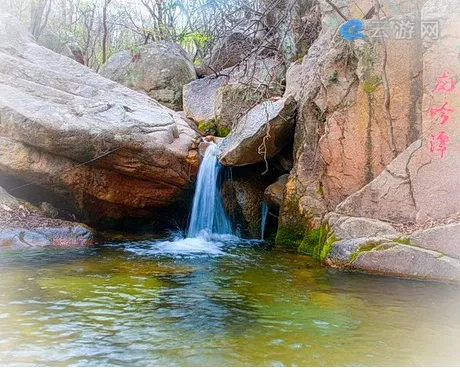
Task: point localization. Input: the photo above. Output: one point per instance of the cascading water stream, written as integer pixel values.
(264, 214)
(208, 213)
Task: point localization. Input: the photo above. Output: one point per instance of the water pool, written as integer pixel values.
(214, 302)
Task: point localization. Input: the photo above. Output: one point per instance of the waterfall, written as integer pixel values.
(264, 214)
(208, 213)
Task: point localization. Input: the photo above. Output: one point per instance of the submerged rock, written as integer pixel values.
(260, 134)
(111, 151)
(23, 225)
(160, 69)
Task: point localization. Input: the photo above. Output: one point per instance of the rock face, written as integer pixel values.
(274, 193)
(421, 184)
(112, 151)
(22, 225)
(377, 142)
(345, 227)
(346, 132)
(260, 134)
(209, 99)
(442, 239)
(160, 69)
(243, 197)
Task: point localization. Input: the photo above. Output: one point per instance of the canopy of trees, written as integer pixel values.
(100, 28)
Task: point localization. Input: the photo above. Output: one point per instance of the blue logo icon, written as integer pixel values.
(350, 30)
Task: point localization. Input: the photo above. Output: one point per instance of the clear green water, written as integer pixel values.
(143, 303)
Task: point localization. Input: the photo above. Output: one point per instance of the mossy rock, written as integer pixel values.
(291, 236)
(207, 128)
(222, 131)
(310, 242)
(372, 83)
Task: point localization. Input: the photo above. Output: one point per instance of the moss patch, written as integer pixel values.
(318, 242)
(207, 127)
(371, 84)
(334, 78)
(291, 228)
(310, 242)
(222, 131)
(367, 247)
(289, 235)
(402, 240)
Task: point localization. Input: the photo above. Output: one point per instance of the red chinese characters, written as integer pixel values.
(445, 83)
(443, 113)
(438, 142)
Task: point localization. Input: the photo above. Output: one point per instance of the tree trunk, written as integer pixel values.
(37, 10)
(105, 34)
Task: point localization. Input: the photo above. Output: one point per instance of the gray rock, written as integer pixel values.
(345, 227)
(19, 237)
(61, 46)
(233, 101)
(227, 52)
(160, 69)
(274, 193)
(56, 114)
(382, 257)
(201, 97)
(443, 239)
(342, 251)
(260, 134)
(23, 225)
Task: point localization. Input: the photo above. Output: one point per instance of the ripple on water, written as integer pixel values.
(214, 301)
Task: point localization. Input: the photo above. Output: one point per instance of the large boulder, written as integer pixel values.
(260, 134)
(385, 257)
(23, 225)
(227, 52)
(160, 69)
(111, 151)
(219, 99)
(61, 46)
